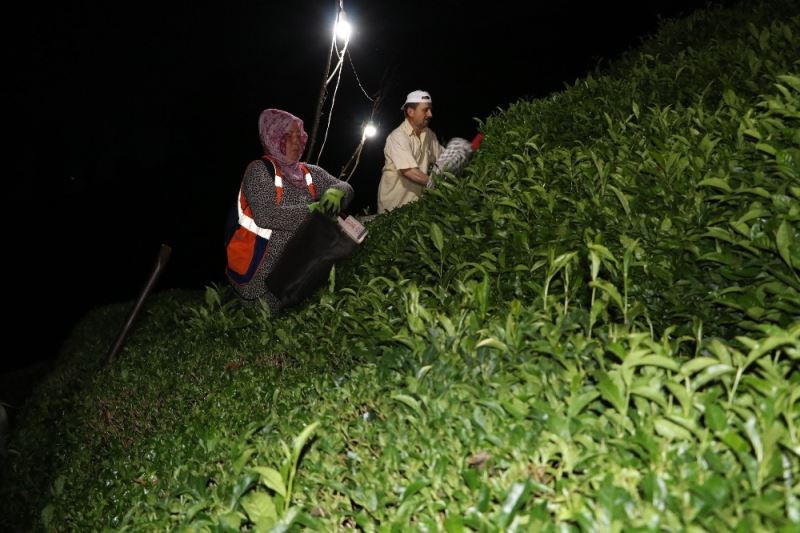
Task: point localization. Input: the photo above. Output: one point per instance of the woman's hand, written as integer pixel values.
(331, 201)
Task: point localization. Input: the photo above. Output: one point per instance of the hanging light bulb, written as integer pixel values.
(343, 28)
(370, 130)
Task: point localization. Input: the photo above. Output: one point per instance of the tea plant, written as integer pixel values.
(595, 328)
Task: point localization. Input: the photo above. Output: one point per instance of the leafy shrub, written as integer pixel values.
(595, 328)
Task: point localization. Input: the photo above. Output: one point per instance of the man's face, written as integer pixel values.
(421, 116)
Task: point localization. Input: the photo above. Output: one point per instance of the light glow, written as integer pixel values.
(343, 28)
(370, 130)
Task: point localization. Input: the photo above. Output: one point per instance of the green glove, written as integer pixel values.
(331, 200)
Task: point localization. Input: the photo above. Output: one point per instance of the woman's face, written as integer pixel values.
(293, 143)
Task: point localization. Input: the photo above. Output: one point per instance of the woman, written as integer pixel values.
(274, 200)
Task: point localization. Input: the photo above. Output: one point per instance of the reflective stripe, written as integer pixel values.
(279, 179)
(248, 223)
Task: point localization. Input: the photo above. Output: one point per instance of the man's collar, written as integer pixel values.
(409, 129)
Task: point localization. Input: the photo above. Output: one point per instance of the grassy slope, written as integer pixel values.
(596, 326)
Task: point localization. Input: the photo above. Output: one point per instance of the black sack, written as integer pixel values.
(307, 259)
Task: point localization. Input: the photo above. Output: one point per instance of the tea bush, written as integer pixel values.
(597, 328)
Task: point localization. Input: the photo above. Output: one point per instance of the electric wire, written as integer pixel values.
(358, 80)
(333, 103)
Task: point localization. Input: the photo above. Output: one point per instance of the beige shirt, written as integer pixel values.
(405, 150)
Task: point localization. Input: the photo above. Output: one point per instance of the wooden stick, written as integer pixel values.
(163, 257)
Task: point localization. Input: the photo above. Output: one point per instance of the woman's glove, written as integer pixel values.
(331, 201)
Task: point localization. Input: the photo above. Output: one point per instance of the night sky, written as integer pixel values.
(131, 125)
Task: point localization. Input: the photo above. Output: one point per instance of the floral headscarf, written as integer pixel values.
(273, 128)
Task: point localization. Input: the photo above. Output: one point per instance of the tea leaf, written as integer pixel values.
(612, 394)
(409, 401)
(785, 240)
(717, 183)
(437, 237)
(260, 509)
(671, 430)
(271, 478)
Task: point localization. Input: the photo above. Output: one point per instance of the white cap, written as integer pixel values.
(415, 97)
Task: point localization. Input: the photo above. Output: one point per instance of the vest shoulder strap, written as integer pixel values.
(269, 164)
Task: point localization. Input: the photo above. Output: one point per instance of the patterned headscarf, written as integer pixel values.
(273, 128)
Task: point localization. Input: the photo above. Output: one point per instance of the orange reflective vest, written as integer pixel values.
(247, 247)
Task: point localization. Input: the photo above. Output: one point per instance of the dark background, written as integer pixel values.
(130, 124)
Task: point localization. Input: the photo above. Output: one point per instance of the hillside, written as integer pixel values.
(596, 328)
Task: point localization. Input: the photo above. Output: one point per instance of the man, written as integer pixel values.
(410, 149)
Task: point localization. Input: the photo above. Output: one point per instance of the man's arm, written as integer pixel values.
(398, 150)
(415, 175)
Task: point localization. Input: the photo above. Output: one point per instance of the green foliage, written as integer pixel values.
(222, 313)
(596, 328)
